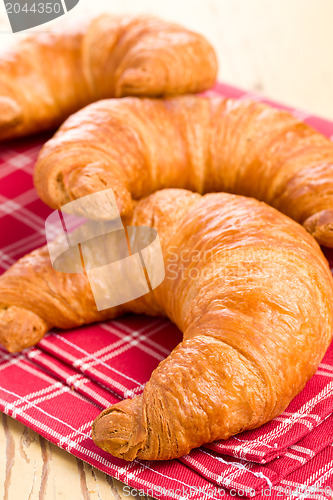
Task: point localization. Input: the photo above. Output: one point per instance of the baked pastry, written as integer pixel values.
(46, 77)
(136, 146)
(248, 287)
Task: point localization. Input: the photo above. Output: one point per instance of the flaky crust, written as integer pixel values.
(136, 146)
(46, 77)
(252, 294)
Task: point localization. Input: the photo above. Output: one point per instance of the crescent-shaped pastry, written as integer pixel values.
(46, 77)
(137, 146)
(249, 288)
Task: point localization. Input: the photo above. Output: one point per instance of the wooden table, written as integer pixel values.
(281, 49)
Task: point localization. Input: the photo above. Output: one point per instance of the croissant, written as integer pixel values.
(248, 287)
(136, 146)
(46, 77)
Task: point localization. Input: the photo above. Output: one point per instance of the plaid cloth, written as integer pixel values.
(59, 387)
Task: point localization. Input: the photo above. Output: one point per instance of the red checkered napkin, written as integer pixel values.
(121, 355)
(64, 416)
(59, 387)
(60, 403)
(241, 474)
(132, 346)
(224, 471)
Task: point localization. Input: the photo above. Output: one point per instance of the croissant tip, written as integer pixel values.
(320, 226)
(118, 432)
(140, 81)
(10, 113)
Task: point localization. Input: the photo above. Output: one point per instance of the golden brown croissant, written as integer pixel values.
(47, 77)
(136, 146)
(252, 294)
